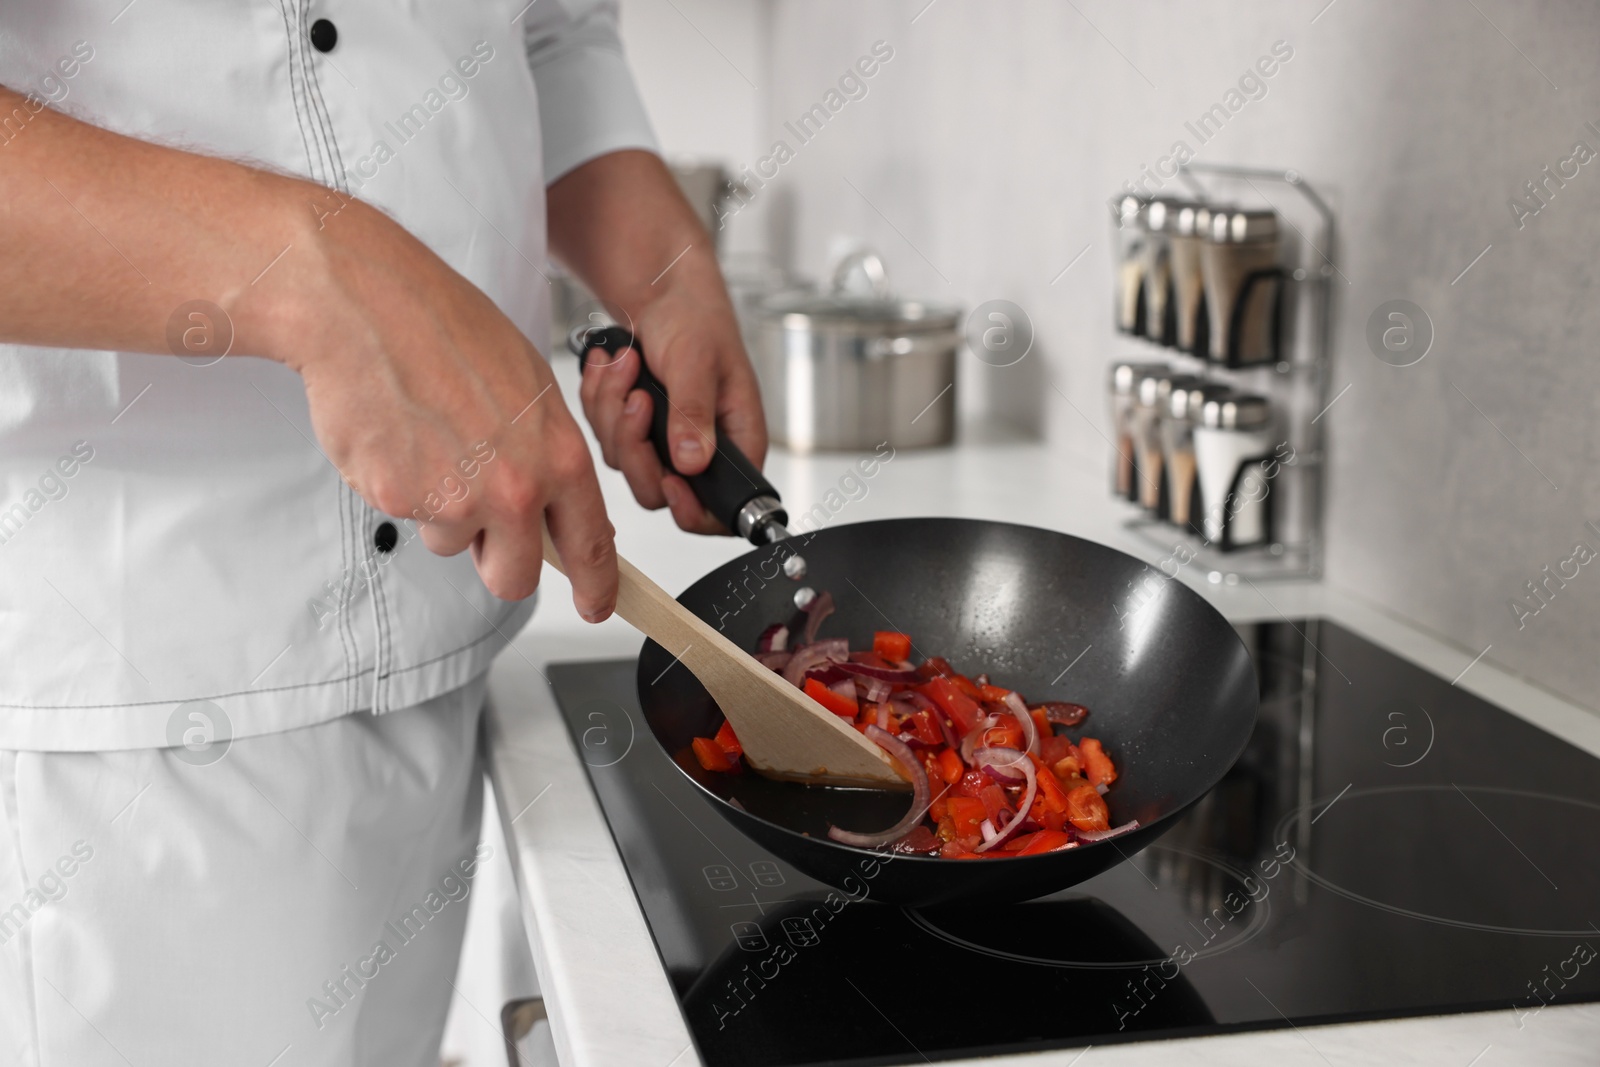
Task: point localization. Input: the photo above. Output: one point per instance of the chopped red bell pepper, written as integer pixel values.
(1097, 766)
(728, 741)
(1041, 723)
(950, 766)
(711, 755)
(1086, 808)
(1045, 841)
(841, 706)
(994, 802)
(1004, 734)
(935, 667)
(892, 645)
(967, 686)
(925, 729)
(1050, 791)
(966, 813)
(973, 783)
(993, 693)
(962, 709)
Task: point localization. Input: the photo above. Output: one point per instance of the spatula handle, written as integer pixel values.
(731, 488)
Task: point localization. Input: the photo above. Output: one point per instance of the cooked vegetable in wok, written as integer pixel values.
(990, 776)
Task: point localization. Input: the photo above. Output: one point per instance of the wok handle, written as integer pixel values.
(731, 488)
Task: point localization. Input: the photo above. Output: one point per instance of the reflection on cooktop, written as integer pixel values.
(1387, 845)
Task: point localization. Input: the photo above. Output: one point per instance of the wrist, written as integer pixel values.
(274, 310)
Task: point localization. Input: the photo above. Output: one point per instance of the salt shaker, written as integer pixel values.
(1231, 444)
(1239, 262)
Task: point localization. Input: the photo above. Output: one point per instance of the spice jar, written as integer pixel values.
(1231, 445)
(1160, 311)
(1124, 389)
(1243, 284)
(1128, 244)
(1185, 502)
(1149, 411)
(1189, 226)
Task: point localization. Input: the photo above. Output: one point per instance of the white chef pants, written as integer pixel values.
(297, 903)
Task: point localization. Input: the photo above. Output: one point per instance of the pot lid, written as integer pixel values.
(858, 311)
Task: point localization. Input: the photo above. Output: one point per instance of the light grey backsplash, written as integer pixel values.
(981, 157)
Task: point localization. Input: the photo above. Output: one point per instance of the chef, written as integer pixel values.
(277, 435)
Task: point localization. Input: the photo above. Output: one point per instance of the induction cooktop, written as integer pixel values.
(1388, 845)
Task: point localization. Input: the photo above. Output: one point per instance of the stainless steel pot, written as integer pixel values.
(847, 372)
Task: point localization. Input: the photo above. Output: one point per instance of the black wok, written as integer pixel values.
(1169, 685)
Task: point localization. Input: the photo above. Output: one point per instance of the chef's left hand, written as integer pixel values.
(618, 222)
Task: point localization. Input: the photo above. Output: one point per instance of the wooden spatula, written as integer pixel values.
(785, 734)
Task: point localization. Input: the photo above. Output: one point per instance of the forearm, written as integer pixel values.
(622, 226)
(104, 237)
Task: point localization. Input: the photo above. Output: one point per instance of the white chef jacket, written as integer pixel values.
(176, 553)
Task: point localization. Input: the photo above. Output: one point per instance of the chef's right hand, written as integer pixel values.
(408, 367)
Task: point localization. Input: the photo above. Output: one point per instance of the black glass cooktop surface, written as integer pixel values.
(1388, 845)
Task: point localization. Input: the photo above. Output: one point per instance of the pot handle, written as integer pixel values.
(731, 488)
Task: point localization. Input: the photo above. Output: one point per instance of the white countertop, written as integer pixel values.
(608, 997)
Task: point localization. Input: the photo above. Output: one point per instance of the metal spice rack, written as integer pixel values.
(1297, 385)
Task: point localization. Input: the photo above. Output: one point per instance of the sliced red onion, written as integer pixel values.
(1003, 775)
(986, 828)
(1063, 714)
(887, 674)
(1002, 764)
(974, 738)
(820, 608)
(776, 660)
(827, 673)
(1092, 836)
(872, 690)
(774, 638)
(918, 701)
(813, 655)
(845, 688)
(885, 720)
(912, 766)
(1030, 729)
(1026, 765)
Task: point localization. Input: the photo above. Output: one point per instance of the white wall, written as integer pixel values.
(702, 68)
(980, 161)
